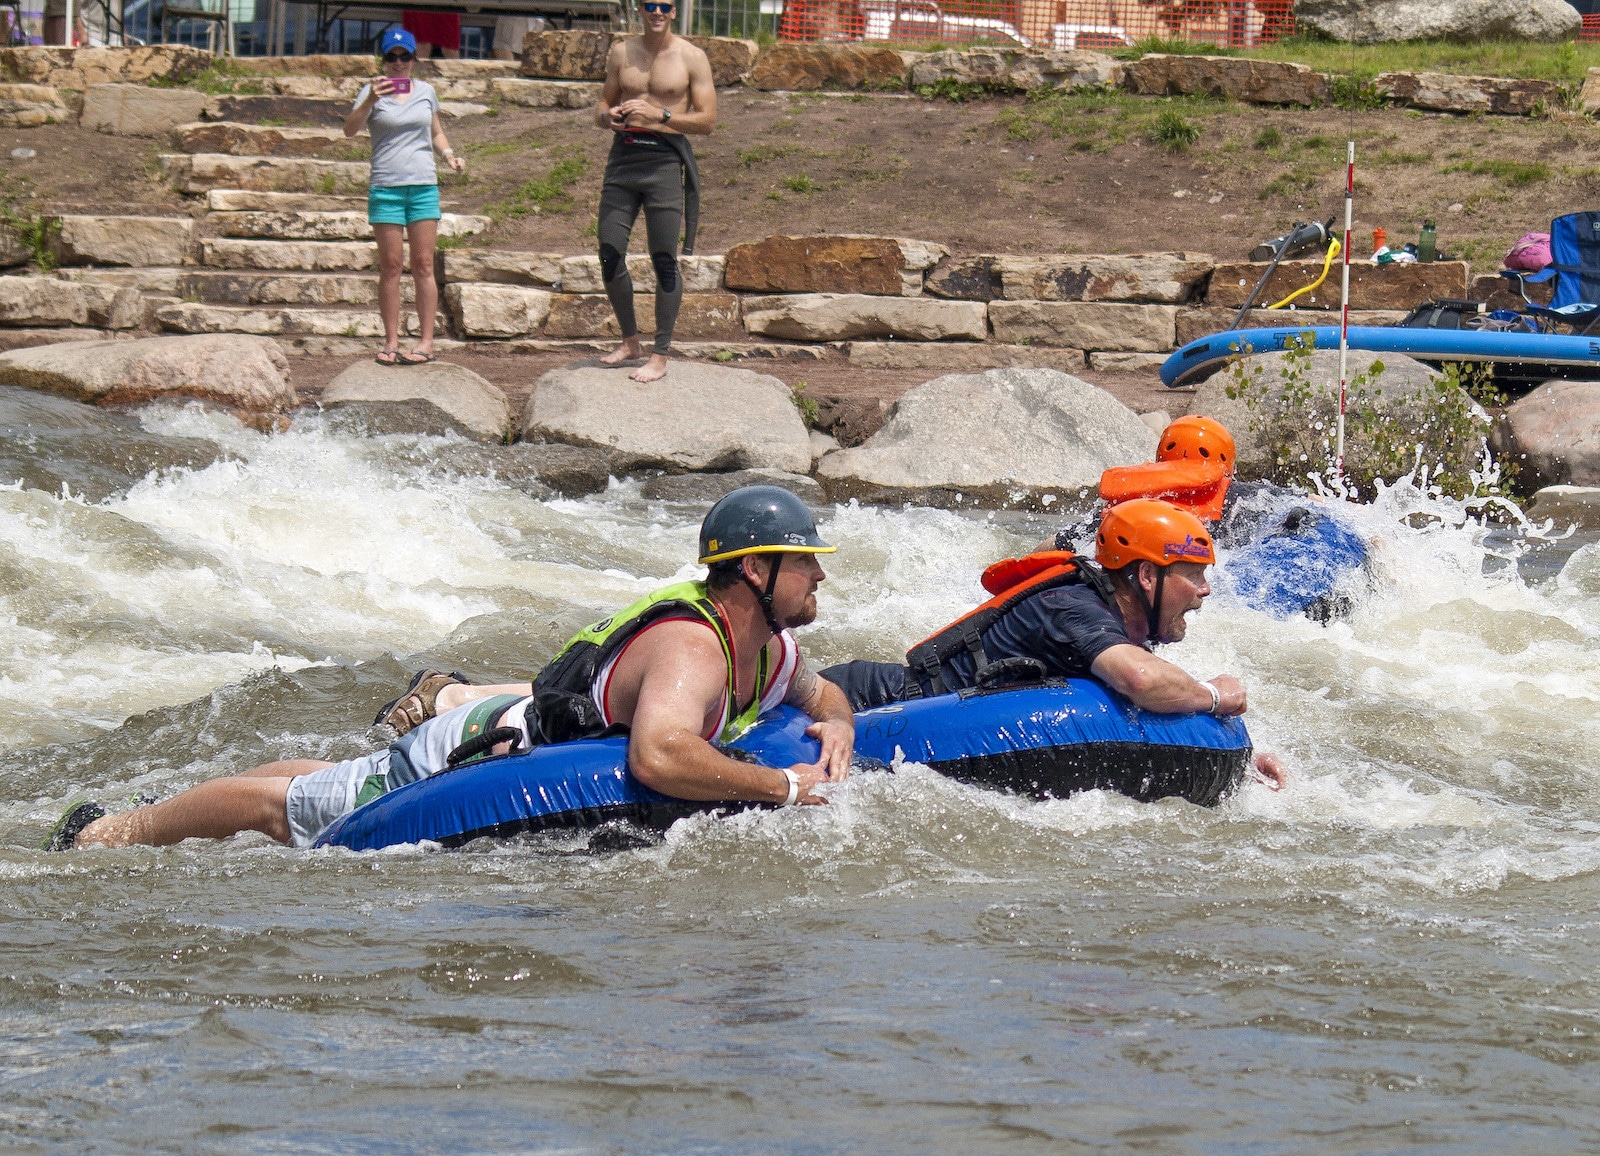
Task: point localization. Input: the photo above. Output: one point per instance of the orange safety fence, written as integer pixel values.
(1591, 27)
(1059, 24)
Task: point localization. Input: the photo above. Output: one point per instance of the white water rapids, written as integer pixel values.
(1397, 950)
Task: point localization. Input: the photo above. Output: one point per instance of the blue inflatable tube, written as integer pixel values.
(1045, 740)
(1200, 359)
(1301, 564)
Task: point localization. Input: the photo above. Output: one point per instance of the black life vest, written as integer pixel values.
(1010, 581)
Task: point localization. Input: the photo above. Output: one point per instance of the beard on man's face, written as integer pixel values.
(806, 615)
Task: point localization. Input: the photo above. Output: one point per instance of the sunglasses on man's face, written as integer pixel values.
(396, 57)
(658, 9)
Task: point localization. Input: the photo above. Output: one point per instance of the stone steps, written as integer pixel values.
(252, 140)
(255, 201)
(318, 225)
(267, 288)
(294, 256)
(198, 173)
(266, 321)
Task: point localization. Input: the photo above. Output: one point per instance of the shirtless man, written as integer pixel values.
(658, 87)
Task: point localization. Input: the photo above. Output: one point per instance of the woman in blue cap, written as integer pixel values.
(403, 116)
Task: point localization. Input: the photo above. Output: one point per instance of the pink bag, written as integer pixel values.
(1531, 253)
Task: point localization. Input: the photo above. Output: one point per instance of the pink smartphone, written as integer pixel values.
(400, 85)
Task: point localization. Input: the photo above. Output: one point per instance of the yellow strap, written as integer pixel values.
(1327, 263)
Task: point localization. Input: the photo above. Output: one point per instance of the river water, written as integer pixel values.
(1398, 951)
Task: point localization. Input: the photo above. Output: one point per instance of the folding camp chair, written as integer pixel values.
(1575, 247)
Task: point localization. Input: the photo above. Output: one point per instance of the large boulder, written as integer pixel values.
(1157, 277)
(1567, 505)
(1554, 434)
(451, 396)
(709, 487)
(578, 54)
(31, 105)
(731, 58)
(1448, 92)
(1017, 69)
(1466, 21)
(701, 316)
(140, 241)
(1278, 437)
(503, 267)
(80, 68)
(231, 370)
(41, 301)
(1006, 437)
(530, 93)
(698, 417)
(139, 110)
(582, 274)
(1229, 77)
(787, 67)
(848, 263)
(496, 310)
(1085, 325)
(840, 316)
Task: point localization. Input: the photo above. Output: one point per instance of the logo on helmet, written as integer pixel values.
(795, 539)
(711, 546)
(1188, 548)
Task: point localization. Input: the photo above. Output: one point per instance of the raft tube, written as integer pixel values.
(1045, 740)
(1302, 563)
(1200, 359)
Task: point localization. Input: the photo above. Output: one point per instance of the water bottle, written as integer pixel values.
(1428, 242)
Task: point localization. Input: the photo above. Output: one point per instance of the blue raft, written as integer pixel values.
(1047, 740)
(1199, 359)
(1301, 562)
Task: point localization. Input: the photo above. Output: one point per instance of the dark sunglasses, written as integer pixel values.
(397, 57)
(655, 6)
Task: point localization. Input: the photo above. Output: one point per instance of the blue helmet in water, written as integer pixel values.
(759, 520)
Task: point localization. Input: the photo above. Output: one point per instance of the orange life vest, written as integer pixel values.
(1010, 581)
(1196, 487)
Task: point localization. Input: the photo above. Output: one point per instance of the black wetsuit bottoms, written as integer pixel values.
(868, 684)
(643, 171)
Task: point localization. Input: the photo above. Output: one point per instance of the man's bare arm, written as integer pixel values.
(701, 116)
(835, 724)
(683, 679)
(611, 91)
(1157, 685)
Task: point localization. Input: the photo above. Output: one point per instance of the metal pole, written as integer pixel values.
(688, 17)
(70, 37)
(1344, 307)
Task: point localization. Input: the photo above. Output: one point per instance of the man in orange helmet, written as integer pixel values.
(1071, 618)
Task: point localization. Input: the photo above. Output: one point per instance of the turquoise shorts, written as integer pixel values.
(402, 204)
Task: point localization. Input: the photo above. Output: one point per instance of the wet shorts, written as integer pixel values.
(317, 799)
(402, 204)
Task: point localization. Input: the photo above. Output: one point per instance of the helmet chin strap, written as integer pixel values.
(1152, 608)
(764, 597)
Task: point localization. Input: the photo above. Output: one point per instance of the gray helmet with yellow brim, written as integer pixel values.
(760, 520)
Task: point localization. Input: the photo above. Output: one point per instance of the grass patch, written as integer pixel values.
(1172, 132)
(954, 90)
(551, 193)
(1357, 91)
(807, 406)
(1386, 157)
(1517, 174)
(37, 234)
(1158, 44)
(800, 183)
(222, 78)
(1268, 138)
(1096, 119)
(762, 154)
(1560, 62)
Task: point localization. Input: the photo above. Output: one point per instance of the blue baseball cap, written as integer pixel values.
(397, 38)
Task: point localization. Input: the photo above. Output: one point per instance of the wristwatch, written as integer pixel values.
(666, 115)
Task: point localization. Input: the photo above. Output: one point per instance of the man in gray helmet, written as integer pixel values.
(684, 669)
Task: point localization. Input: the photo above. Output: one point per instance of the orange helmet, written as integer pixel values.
(1148, 530)
(1196, 437)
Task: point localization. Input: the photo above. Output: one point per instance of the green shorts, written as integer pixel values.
(402, 204)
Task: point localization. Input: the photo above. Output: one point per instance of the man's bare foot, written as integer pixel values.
(653, 370)
(631, 349)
